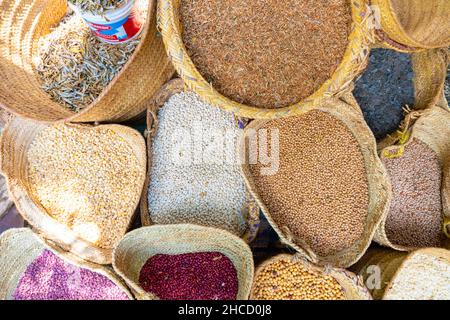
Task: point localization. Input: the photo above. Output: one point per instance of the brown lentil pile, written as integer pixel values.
(415, 215)
(320, 192)
(86, 179)
(266, 53)
(287, 280)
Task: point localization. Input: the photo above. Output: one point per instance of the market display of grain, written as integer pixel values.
(283, 279)
(74, 66)
(384, 90)
(415, 216)
(195, 177)
(267, 54)
(190, 276)
(49, 277)
(86, 179)
(320, 193)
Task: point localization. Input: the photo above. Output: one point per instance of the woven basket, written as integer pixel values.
(251, 211)
(24, 22)
(139, 245)
(15, 141)
(411, 25)
(352, 64)
(390, 264)
(379, 198)
(431, 126)
(20, 247)
(352, 285)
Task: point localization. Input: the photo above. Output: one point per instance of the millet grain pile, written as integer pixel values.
(320, 193)
(49, 277)
(415, 215)
(198, 192)
(422, 277)
(85, 179)
(384, 89)
(286, 280)
(190, 276)
(266, 53)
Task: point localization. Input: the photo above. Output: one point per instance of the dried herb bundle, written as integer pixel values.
(266, 53)
(98, 6)
(74, 66)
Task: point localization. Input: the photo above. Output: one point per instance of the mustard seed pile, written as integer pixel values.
(283, 279)
(422, 277)
(194, 175)
(86, 179)
(415, 215)
(320, 193)
(74, 66)
(266, 53)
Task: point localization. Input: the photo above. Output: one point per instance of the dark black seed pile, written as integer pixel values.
(384, 89)
(447, 85)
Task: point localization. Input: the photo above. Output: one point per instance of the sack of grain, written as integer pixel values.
(25, 22)
(423, 274)
(328, 191)
(26, 262)
(291, 277)
(256, 61)
(77, 185)
(205, 193)
(412, 25)
(414, 164)
(133, 261)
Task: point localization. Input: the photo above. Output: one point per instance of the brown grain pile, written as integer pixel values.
(415, 215)
(320, 193)
(286, 280)
(266, 53)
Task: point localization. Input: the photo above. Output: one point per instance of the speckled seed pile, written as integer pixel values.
(422, 277)
(198, 192)
(320, 193)
(85, 179)
(190, 276)
(266, 53)
(384, 89)
(415, 215)
(287, 280)
(49, 277)
(98, 6)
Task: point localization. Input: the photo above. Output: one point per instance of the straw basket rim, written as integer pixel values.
(396, 35)
(87, 114)
(26, 235)
(344, 277)
(352, 63)
(32, 211)
(377, 182)
(170, 89)
(215, 238)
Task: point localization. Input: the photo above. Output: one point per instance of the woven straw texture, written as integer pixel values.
(162, 96)
(139, 245)
(24, 22)
(378, 184)
(431, 126)
(15, 141)
(416, 24)
(390, 263)
(353, 286)
(353, 63)
(20, 247)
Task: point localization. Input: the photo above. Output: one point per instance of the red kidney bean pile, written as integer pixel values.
(190, 276)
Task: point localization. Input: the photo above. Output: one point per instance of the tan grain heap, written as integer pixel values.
(77, 185)
(263, 53)
(286, 277)
(330, 190)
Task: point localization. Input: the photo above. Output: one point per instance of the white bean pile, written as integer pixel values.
(208, 190)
